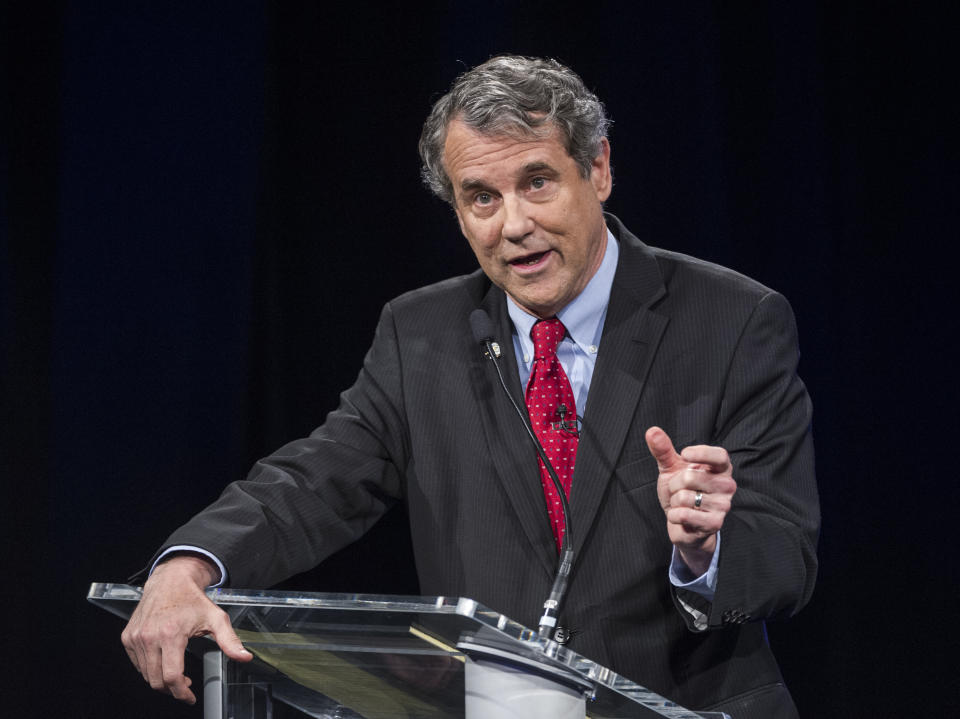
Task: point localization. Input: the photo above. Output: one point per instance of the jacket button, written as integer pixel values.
(562, 635)
(734, 616)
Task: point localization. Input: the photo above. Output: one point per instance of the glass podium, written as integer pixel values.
(357, 656)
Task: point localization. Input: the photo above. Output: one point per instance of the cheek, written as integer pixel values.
(483, 251)
(483, 240)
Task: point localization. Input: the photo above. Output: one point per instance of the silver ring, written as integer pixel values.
(698, 500)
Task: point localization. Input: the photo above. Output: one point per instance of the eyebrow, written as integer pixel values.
(468, 184)
(535, 167)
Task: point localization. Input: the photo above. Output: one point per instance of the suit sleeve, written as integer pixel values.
(768, 563)
(314, 495)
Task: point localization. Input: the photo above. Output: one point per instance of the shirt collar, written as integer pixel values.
(584, 316)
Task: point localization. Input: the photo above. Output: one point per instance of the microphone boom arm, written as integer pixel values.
(551, 607)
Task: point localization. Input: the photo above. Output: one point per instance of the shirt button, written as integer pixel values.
(592, 349)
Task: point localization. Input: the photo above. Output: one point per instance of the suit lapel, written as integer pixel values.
(631, 335)
(507, 442)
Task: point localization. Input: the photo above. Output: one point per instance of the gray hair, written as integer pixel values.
(515, 96)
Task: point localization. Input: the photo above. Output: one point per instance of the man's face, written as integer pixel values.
(535, 224)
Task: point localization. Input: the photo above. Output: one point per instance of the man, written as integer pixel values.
(680, 556)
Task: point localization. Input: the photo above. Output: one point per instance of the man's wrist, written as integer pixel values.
(704, 583)
(698, 559)
(197, 566)
(220, 572)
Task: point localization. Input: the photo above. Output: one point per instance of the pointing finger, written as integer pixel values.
(715, 459)
(702, 480)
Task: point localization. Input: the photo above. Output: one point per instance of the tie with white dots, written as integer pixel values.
(548, 389)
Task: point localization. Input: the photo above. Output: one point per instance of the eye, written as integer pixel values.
(483, 198)
(537, 183)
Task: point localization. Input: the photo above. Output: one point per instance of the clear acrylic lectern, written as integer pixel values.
(357, 656)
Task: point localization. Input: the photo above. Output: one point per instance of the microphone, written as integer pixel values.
(571, 428)
(482, 329)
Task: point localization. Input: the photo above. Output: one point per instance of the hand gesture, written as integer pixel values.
(695, 489)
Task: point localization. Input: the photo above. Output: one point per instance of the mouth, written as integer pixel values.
(532, 261)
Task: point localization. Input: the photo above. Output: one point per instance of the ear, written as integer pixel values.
(600, 176)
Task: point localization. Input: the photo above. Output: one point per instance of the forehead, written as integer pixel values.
(469, 153)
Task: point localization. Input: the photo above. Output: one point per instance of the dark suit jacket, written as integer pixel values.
(703, 352)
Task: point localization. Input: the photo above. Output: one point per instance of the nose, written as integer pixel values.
(517, 220)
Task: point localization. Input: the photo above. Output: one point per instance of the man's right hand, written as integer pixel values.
(173, 609)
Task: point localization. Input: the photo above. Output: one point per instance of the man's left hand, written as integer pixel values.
(695, 488)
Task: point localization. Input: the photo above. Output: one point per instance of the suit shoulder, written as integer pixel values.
(715, 299)
(448, 297)
(685, 272)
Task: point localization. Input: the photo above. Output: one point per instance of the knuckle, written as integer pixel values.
(172, 678)
(169, 629)
(721, 487)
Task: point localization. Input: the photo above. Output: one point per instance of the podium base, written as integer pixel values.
(502, 691)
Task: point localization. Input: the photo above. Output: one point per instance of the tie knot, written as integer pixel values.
(546, 336)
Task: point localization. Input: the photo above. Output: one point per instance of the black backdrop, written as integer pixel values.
(203, 207)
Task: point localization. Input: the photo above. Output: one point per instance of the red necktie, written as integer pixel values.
(547, 390)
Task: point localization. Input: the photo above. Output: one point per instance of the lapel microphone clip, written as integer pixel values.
(571, 428)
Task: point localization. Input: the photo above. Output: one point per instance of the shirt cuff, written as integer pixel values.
(196, 550)
(705, 585)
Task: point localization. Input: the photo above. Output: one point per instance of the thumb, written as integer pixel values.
(228, 641)
(661, 447)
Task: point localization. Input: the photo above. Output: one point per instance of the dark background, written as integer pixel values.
(204, 205)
